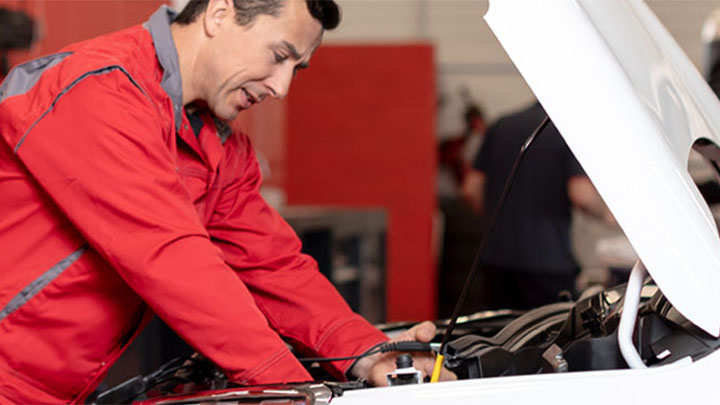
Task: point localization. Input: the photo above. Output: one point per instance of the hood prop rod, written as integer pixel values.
(483, 246)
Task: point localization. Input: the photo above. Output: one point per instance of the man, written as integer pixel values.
(457, 153)
(462, 227)
(124, 194)
(711, 50)
(529, 258)
(17, 31)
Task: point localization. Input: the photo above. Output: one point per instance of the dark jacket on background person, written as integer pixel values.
(534, 231)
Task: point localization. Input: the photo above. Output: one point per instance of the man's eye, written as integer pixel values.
(280, 57)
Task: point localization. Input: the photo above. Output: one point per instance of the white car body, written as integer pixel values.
(630, 105)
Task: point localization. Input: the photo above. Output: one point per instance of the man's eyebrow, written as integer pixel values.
(295, 54)
(293, 51)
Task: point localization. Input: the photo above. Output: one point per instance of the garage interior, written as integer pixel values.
(350, 158)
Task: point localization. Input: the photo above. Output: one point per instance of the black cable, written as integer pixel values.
(404, 346)
(493, 221)
(168, 372)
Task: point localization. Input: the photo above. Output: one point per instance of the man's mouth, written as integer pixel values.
(250, 99)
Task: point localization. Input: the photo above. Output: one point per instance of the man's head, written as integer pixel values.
(241, 51)
(325, 11)
(474, 118)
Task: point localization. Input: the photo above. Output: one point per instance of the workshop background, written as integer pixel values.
(350, 156)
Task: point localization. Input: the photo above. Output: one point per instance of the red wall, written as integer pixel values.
(265, 124)
(360, 133)
(66, 21)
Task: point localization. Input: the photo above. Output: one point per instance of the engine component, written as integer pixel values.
(405, 373)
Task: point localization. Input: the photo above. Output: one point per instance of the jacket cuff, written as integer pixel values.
(350, 338)
(280, 368)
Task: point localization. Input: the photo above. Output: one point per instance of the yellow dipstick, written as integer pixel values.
(438, 366)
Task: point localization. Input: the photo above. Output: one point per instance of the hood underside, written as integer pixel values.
(630, 106)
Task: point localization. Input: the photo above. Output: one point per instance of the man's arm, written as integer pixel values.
(584, 197)
(475, 184)
(298, 301)
(473, 190)
(103, 156)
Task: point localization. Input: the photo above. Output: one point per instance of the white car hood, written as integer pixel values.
(630, 105)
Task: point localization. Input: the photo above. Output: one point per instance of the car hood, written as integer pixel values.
(630, 106)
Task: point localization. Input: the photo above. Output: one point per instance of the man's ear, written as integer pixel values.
(215, 14)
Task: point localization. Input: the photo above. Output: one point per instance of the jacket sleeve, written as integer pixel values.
(102, 153)
(299, 302)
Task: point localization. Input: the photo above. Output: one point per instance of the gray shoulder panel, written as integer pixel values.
(23, 77)
(41, 282)
(70, 86)
(159, 27)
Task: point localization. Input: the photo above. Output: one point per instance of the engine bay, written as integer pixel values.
(557, 338)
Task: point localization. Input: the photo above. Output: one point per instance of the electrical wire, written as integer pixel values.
(403, 346)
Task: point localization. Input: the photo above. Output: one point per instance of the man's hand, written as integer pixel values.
(375, 367)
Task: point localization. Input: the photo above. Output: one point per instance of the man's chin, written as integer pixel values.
(228, 116)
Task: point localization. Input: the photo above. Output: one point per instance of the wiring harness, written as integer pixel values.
(402, 346)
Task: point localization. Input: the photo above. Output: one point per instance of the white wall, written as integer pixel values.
(466, 51)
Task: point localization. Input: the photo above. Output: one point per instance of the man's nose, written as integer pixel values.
(279, 81)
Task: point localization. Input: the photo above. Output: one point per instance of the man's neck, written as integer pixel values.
(187, 45)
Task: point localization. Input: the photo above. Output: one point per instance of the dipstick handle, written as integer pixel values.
(438, 366)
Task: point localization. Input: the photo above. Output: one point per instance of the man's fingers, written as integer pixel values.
(425, 362)
(422, 332)
(428, 365)
(426, 331)
(447, 375)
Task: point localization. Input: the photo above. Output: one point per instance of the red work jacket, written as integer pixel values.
(113, 209)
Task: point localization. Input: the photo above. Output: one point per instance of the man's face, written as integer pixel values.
(246, 64)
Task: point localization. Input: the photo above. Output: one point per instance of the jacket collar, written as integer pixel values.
(159, 27)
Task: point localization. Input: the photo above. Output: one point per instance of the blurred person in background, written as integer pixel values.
(461, 227)
(18, 31)
(457, 153)
(710, 38)
(529, 260)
